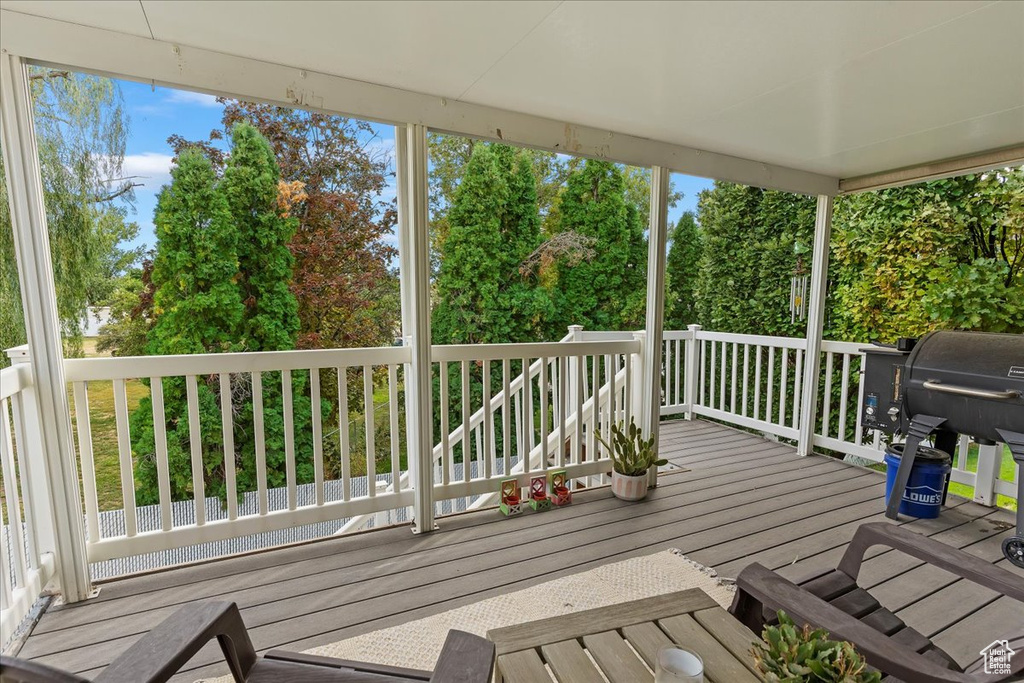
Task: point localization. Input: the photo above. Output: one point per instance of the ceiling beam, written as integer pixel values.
(975, 163)
(57, 43)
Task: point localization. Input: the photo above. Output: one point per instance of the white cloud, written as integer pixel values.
(189, 97)
(151, 169)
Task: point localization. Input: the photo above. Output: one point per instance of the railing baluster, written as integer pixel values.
(826, 399)
(318, 435)
(769, 403)
(545, 412)
(227, 427)
(196, 446)
(261, 442)
(611, 370)
(343, 435)
(506, 414)
(798, 372)
(746, 378)
(368, 425)
(488, 423)
(721, 379)
(702, 344)
(467, 456)
(124, 451)
(732, 392)
(666, 359)
(85, 453)
(396, 457)
(680, 397)
(6, 587)
(289, 438)
(446, 451)
(563, 381)
(757, 382)
(595, 411)
(12, 495)
(163, 477)
(577, 442)
(844, 396)
(712, 374)
(528, 417)
(858, 430)
(783, 386)
(21, 440)
(627, 389)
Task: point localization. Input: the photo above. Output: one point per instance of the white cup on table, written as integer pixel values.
(678, 665)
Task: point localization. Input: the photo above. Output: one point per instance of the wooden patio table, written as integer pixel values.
(622, 642)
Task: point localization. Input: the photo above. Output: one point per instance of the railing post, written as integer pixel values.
(815, 326)
(650, 378)
(988, 472)
(38, 294)
(692, 369)
(39, 515)
(414, 275)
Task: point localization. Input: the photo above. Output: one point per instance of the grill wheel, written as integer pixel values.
(1013, 549)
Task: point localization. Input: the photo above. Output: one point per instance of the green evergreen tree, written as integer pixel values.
(271, 319)
(681, 269)
(470, 272)
(197, 303)
(608, 291)
(748, 258)
(521, 304)
(198, 310)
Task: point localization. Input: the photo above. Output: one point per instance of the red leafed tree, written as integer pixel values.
(346, 289)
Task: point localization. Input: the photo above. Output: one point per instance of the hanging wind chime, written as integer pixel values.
(798, 286)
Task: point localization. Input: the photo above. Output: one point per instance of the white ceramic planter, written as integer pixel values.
(629, 488)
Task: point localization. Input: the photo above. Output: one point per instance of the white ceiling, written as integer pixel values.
(838, 88)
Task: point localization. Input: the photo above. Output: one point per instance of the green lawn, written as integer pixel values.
(1006, 470)
(104, 438)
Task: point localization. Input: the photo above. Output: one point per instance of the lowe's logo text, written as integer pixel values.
(923, 494)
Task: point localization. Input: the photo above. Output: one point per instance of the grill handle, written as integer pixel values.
(936, 385)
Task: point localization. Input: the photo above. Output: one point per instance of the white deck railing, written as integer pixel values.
(25, 566)
(224, 373)
(754, 381)
(505, 410)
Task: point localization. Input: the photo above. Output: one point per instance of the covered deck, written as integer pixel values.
(728, 499)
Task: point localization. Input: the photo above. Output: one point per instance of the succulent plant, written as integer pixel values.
(788, 654)
(632, 454)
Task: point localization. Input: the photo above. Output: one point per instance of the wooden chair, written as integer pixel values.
(834, 602)
(159, 655)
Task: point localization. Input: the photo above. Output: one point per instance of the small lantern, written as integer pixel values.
(539, 499)
(560, 493)
(510, 502)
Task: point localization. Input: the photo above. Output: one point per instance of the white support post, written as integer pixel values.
(988, 472)
(692, 378)
(39, 299)
(650, 407)
(815, 325)
(414, 266)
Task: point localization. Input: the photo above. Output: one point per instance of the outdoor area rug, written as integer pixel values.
(417, 644)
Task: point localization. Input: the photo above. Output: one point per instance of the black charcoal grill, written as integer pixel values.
(947, 384)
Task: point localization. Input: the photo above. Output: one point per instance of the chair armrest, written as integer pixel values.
(775, 592)
(166, 648)
(933, 552)
(465, 658)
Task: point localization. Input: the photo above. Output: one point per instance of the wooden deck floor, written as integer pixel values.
(742, 498)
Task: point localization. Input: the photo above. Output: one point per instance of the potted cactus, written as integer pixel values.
(632, 456)
(788, 654)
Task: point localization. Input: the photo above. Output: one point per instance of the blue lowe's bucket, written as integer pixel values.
(923, 495)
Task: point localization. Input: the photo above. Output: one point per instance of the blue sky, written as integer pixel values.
(157, 113)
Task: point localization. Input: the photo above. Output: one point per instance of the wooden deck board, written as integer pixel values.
(742, 499)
